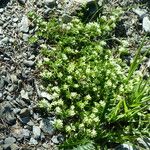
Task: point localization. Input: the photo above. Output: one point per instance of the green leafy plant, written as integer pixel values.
(96, 95)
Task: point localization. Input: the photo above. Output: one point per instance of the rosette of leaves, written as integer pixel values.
(95, 94)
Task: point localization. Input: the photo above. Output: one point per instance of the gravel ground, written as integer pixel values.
(22, 126)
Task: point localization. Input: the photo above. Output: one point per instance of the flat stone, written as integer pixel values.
(36, 132)
(2, 83)
(139, 12)
(15, 20)
(66, 18)
(1, 95)
(24, 24)
(1, 10)
(24, 94)
(46, 95)
(55, 139)
(146, 24)
(144, 143)
(47, 126)
(14, 147)
(22, 2)
(10, 140)
(1, 31)
(16, 110)
(5, 40)
(29, 63)
(25, 37)
(124, 147)
(20, 133)
(50, 3)
(33, 141)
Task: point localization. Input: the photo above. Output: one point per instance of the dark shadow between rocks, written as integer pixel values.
(3, 3)
(120, 30)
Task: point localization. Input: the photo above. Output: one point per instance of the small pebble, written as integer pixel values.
(33, 141)
(29, 63)
(36, 132)
(22, 2)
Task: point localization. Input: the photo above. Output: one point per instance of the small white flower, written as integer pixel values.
(68, 129)
(65, 86)
(76, 85)
(69, 77)
(88, 97)
(109, 83)
(58, 110)
(60, 75)
(71, 113)
(81, 125)
(55, 95)
(60, 102)
(93, 133)
(95, 110)
(102, 103)
(92, 115)
(74, 94)
(88, 70)
(58, 123)
(56, 89)
(113, 18)
(96, 119)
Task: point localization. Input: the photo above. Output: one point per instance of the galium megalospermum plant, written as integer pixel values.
(92, 93)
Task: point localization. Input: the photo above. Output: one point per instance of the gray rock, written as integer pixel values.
(12, 88)
(46, 95)
(125, 147)
(20, 133)
(25, 133)
(24, 112)
(1, 10)
(11, 40)
(25, 37)
(1, 142)
(45, 145)
(6, 113)
(47, 126)
(9, 98)
(24, 24)
(10, 117)
(2, 83)
(24, 116)
(139, 12)
(144, 143)
(146, 24)
(9, 141)
(13, 78)
(1, 22)
(29, 63)
(15, 20)
(1, 31)
(22, 2)
(1, 95)
(36, 132)
(14, 147)
(33, 141)
(50, 3)
(5, 40)
(16, 110)
(24, 94)
(55, 139)
(100, 2)
(66, 18)
(32, 57)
